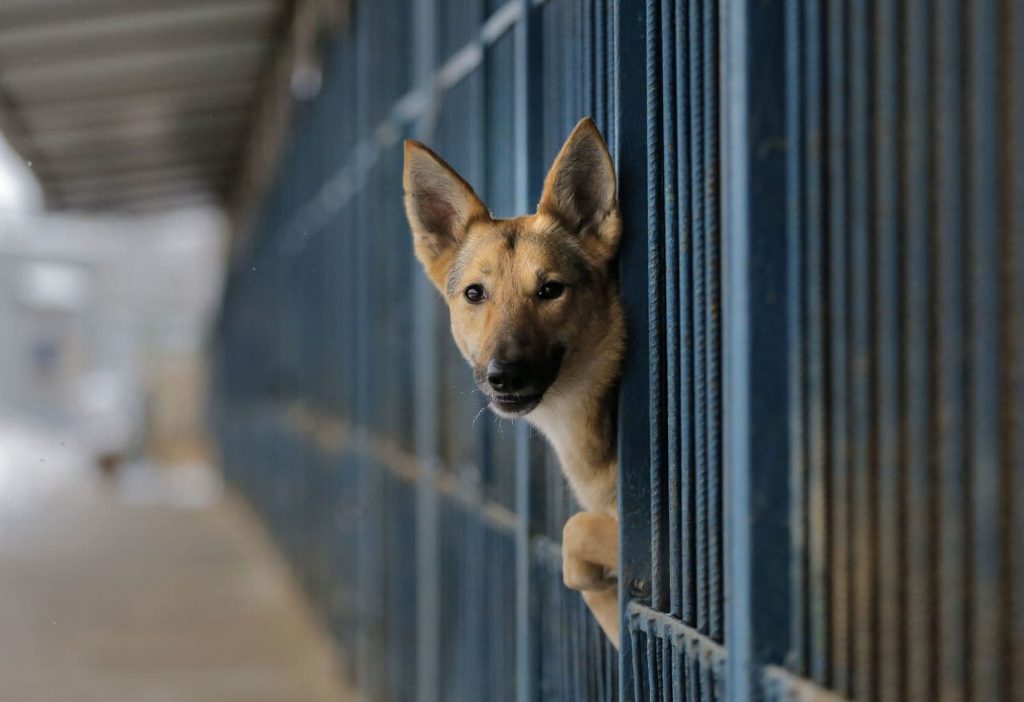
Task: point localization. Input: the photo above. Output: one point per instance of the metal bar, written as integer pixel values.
(800, 484)
(527, 106)
(652, 661)
(755, 412)
(888, 636)
(633, 439)
(426, 365)
(949, 226)
(656, 320)
(678, 679)
(685, 246)
(839, 450)
(921, 630)
(712, 326)
(674, 382)
(988, 643)
(700, 302)
(1013, 28)
(860, 361)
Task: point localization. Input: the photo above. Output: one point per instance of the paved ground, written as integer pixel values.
(144, 591)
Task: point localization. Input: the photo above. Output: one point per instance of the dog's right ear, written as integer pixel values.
(440, 206)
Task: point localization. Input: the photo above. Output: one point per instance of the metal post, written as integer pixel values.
(428, 546)
(526, 55)
(756, 342)
(634, 443)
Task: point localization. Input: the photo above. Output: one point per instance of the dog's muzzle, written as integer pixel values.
(516, 387)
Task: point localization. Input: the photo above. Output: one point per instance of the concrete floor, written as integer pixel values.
(144, 590)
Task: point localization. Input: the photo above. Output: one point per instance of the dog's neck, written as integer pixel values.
(578, 418)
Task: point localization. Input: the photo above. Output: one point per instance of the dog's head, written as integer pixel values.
(532, 297)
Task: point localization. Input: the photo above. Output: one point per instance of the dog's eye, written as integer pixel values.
(551, 290)
(474, 293)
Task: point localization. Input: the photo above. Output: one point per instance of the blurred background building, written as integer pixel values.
(106, 319)
(124, 574)
(206, 275)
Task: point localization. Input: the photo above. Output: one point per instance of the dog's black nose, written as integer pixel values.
(507, 376)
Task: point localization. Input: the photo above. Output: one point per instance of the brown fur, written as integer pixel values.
(574, 342)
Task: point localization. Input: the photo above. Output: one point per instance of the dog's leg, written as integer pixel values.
(590, 561)
(592, 537)
(604, 605)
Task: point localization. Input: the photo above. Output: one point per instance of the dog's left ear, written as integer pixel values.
(580, 191)
(440, 206)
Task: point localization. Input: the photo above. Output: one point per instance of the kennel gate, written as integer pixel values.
(818, 189)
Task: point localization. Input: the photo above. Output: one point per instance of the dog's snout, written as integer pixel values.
(507, 376)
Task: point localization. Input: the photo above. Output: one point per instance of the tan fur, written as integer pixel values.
(572, 239)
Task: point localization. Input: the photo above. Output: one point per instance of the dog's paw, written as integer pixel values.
(589, 545)
(581, 575)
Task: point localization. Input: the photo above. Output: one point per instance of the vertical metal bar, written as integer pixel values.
(700, 302)
(678, 686)
(665, 641)
(706, 684)
(989, 527)
(565, 661)
(427, 362)
(839, 530)
(656, 317)
(586, 55)
(673, 321)
(652, 661)
(565, 100)
(795, 135)
(571, 633)
(595, 655)
(890, 606)
(697, 691)
(633, 440)
(860, 361)
(921, 633)
(687, 585)
(949, 227)
(636, 688)
(527, 47)
(599, 56)
(1014, 275)
(371, 547)
(756, 343)
(712, 326)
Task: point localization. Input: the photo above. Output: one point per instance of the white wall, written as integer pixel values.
(151, 287)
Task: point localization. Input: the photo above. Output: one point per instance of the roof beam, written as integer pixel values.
(176, 28)
(30, 13)
(117, 179)
(101, 198)
(141, 162)
(121, 113)
(140, 131)
(79, 159)
(120, 69)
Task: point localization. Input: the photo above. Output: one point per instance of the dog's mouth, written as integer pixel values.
(512, 405)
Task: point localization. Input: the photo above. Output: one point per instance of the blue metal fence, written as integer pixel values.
(821, 413)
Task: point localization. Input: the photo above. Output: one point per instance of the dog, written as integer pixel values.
(535, 310)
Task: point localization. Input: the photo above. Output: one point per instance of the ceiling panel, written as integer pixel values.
(120, 104)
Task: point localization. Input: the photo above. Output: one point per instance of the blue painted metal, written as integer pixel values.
(635, 554)
(821, 408)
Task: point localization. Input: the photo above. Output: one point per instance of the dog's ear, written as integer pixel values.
(580, 191)
(440, 206)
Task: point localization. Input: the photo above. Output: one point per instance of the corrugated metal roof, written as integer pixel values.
(133, 104)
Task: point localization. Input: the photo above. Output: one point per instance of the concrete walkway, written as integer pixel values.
(148, 590)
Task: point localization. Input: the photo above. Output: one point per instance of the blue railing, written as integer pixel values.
(821, 412)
